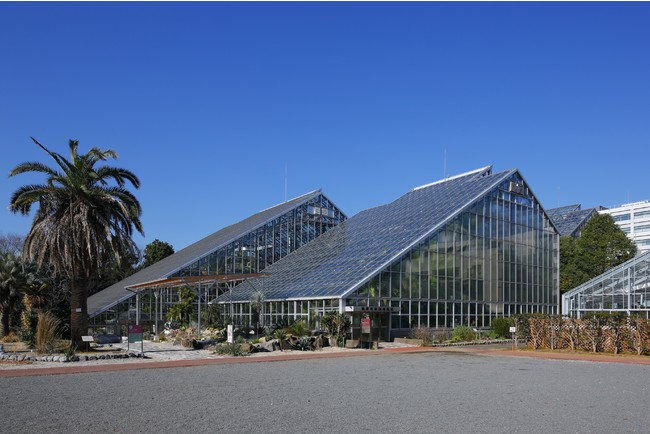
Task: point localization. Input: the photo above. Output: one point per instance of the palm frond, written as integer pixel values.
(31, 166)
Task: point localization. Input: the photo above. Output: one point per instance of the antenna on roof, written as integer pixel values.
(444, 167)
(286, 181)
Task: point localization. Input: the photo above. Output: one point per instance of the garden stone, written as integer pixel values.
(83, 358)
(266, 346)
(246, 347)
(286, 344)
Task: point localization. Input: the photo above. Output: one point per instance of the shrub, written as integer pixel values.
(501, 327)
(28, 336)
(47, 333)
(337, 325)
(463, 334)
(70, 351)
(440, 336)
(424, 333)
(227, 349)
(298, 328)
(11, 337)
(303, 343)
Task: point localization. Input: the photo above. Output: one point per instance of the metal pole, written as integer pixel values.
(230, 290)
(137, 308)
(156, 294)
(198, 318)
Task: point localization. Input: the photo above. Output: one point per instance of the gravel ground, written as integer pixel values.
(418, 392)
(160, 351)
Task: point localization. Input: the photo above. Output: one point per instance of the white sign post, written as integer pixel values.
(513, 330)
(231, 339)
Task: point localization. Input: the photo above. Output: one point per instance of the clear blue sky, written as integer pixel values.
(208, 102)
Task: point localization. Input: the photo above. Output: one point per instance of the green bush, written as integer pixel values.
(226, 349)
(501, 327)
(303, 343)
(28, 337)
(337, 325)
(463, 334)
(298, 329)
(70, 350)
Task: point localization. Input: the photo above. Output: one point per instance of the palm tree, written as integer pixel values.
(83, 221)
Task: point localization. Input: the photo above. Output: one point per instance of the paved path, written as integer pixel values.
(398, 390)
(171, 357)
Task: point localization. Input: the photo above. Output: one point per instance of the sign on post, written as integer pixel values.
(365, 325)
(513, 330)
(135, 335)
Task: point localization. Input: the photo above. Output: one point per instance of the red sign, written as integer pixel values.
(365, 325)
(135, 333)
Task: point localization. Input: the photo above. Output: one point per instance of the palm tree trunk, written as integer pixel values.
(4, 323)
(78, 311)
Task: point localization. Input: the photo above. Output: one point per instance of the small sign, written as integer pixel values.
(87, 339)
(513, 329)
(135, 333)
(231, 338)
(365, 325)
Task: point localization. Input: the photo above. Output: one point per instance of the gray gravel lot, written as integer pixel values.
(425, 392)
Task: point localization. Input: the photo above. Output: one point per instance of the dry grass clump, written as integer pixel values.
(47, 333)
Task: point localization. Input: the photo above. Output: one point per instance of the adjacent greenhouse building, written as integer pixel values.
(215, 263)
(625, 289)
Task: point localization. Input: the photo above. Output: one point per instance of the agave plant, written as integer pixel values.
(303, 343)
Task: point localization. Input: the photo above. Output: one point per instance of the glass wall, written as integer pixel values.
(249, 253)
(310, 311)
(256, 250)
(497, 258)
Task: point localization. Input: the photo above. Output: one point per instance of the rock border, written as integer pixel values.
(5, 357)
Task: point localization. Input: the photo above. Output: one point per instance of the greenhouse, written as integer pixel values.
(622, 289)
(459, 251)
(231, 254)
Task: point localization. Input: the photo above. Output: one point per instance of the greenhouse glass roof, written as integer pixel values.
(116, 293)
(346, 256)
(570, 219)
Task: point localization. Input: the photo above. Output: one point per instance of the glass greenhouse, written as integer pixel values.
(622, 289)
(459, 251)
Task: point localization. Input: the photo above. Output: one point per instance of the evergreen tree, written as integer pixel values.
(601, 246)
(157, 250)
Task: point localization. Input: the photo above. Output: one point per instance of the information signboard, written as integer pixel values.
(365, 325)
(135, 333)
